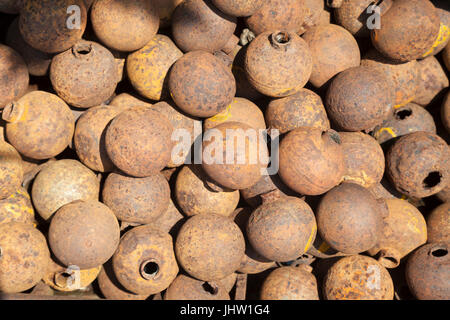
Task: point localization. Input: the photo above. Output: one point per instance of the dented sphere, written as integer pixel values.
(61, 182)
(199, 25)
(201, 85)
(24, 257)
(358, 278)
(350, 219)
(404, 230)
(282, 229)
(303, 109)
(428, 270)
(290, 283)
(89, 137)
(144, 262)
(44, 24)
(408, 30)
(40, 125)
(136, 200)
(364, 159)
(284, 52)
(359, 98)
(138, 141)
(333, 50)
(209, 247)
(93, 76)
(124, 25)
(432, 80)
(234, 155)
(418, 164)
(148, 67)
(84, 233)
(194, 196)
(402, 77)
(11, 169)
(15, 78)
(311, 160)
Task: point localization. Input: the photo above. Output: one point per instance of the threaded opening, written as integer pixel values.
(149, 269)
(432, 179)
(213, 290)
(62, 278)
(403, 114)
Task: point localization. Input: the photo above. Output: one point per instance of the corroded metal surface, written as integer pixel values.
(438, 224)
(187, 288)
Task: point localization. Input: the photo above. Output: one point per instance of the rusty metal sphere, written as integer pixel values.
(404, 120)
(404, 230)
(274, 15)
(240, 110)
(84, 234)
(311, 160)
(402, 77)
(138, 141)
(112, 289)
(183, 124)
(201, 85)
(11, 6)
(144, 262)
(444, 194)
(314, 15)
(124, 25)
(350, 219)
(267, 183)
(44, 24)
(239, 8)
(17, 207)
(353, 15)
(60, 183)
(38, 62)
(432, 80)
(209, 247)
(89, 137)
(408, 30)
(359, 98)
(303, 109)
(428, 270)
(290, 283)
(93, 77)
(445, 112)
(333, 50)
(283, 51)
(11, 169)
(187, 288)
(438, 224)
(165, 11)
(40, 125)
(364, 159)
(418, 164)
(24, 256)
(282, 229)
(170, 220)
(444, 31)
(199, 25)
(148, 67)
(127, 100)
(252, 262)
(194, 196)
(446, 56)
(14, 82)
(358, 278)
(234, 155)
(243, 87)
(136, 200)
(69, 279)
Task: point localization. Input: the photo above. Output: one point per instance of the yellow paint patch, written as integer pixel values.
(444, 34)
(308, 244)
(222, 116)
(388, 130)
(404, 103)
